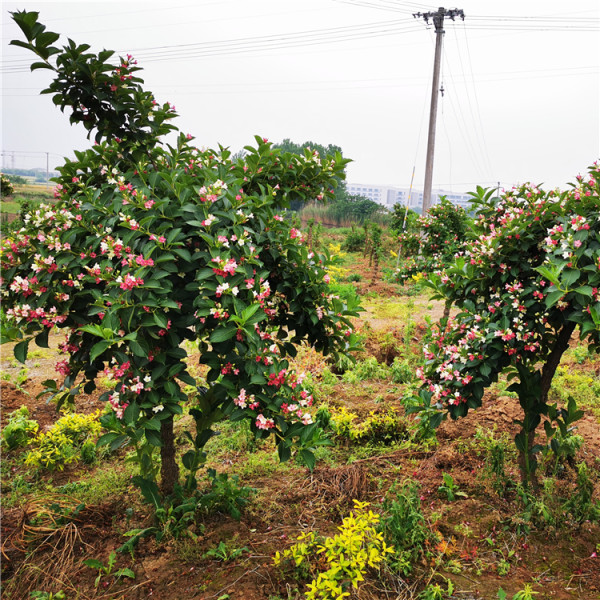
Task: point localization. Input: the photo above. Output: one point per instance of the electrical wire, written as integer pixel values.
(463, 126)
(253, 44)
(387, 5)
(336, 35)
(473, 105)
(477, 104)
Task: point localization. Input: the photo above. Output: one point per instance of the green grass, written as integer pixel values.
(11, 208)
(585, 388)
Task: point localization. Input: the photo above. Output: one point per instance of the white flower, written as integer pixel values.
(157, 408)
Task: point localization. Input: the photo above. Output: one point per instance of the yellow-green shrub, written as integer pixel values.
(381, 426)
(20, 429)
(335, 272)
(347, 555)
(60, 445)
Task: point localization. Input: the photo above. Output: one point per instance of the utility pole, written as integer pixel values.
(438, 21)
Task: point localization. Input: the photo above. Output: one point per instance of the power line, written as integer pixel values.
(477, 105)
(336, 35)
(463, 127)
(393, 81)
(190, 89)
(473, 104)
(252, 44)
(387, 5)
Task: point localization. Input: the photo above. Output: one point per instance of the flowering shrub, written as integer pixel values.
(523, 285)
(438, 236)
(149, 245)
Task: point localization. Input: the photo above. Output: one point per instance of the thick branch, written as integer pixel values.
(560, 346)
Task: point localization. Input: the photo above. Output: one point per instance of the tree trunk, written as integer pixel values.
(548, 370)
(375, 267)
(169, 471)
(446, 313)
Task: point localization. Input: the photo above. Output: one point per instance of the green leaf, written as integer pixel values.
(99, 348)
(93, 563)
(283, 450)
(189, 459)
(131, 413)
(161, 320)
(307, 458)
(95, 330)
(221, 334)
(173, 234)
(550, 274)
(585, 290)
(153, 424)
(125, 572)
(436, 420)
(20, 44)
(42, 338)
(112, 440)
(249, 311)
(153, 437)
(553, 297)
(138, 349)
(570, 276)
(41, 65)
(149, 490)
(21, 350)
(183, 253)
(521, 442)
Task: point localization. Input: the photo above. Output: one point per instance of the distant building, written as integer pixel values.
(389, 195)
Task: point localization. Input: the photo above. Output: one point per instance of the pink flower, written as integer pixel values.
(62, 367)
(263, 423)
(130, 282)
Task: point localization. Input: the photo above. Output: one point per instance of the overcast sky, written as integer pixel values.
(521, 82)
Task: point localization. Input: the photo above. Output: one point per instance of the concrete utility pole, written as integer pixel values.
(438, 21)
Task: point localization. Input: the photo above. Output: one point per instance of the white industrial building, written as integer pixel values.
(390, 195)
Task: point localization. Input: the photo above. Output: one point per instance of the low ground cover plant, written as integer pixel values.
(19, 430)
(339, 562)
(72, 437)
